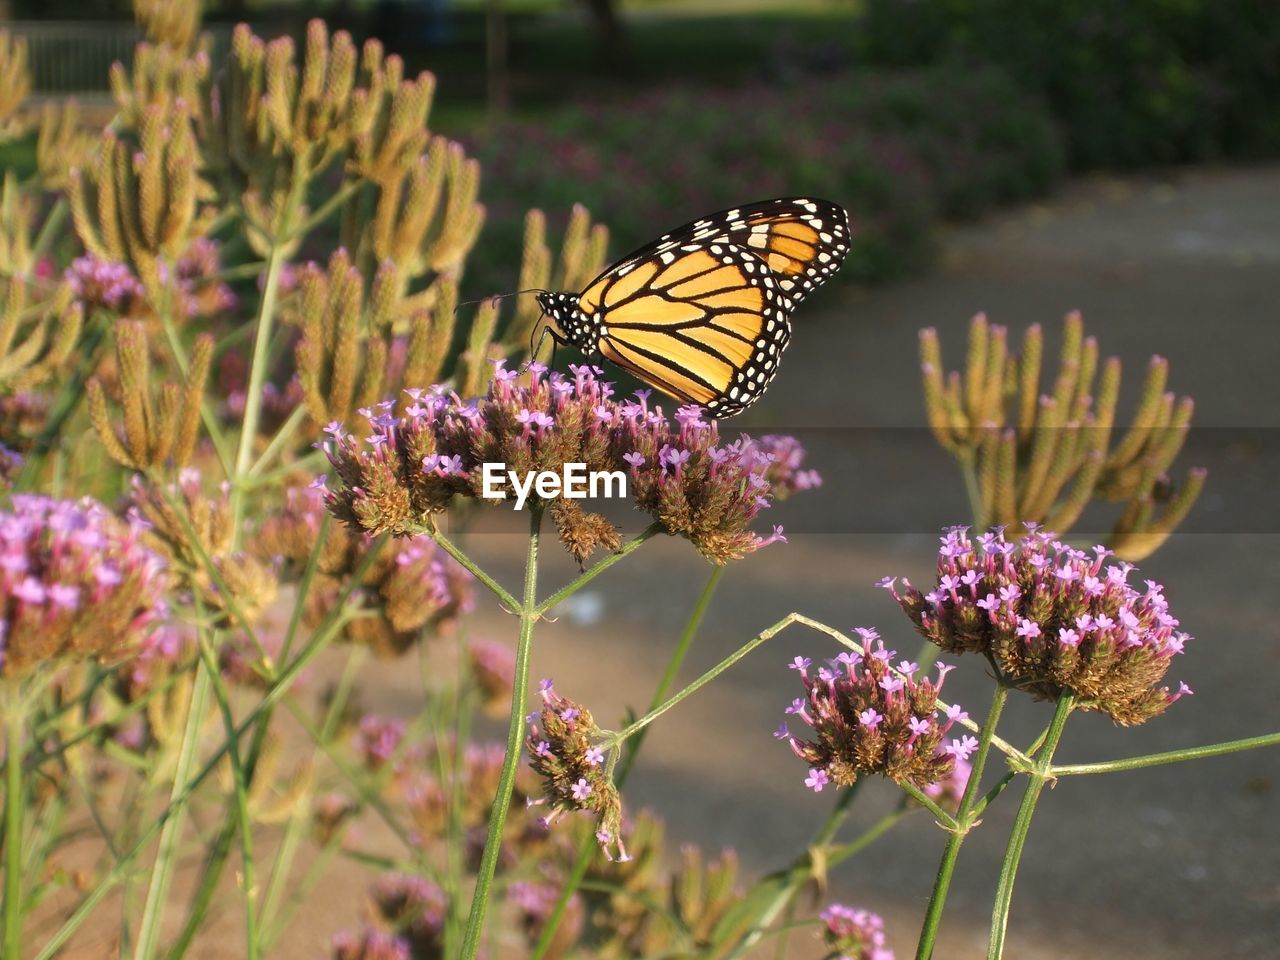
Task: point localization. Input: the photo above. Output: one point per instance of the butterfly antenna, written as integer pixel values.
(498, 296)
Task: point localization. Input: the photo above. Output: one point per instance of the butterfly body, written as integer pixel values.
(704, 312)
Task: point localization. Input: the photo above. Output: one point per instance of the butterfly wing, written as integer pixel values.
(802, 240)
(703, 313)
(704, 324)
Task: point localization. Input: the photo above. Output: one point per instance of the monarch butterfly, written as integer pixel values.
(703, 313)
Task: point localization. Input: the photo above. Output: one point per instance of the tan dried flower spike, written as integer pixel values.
(137, 203)
(15, 84)
(154, 431)
(1042, 457)
(36, 344)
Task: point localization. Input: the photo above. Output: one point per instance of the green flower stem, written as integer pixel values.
(257, 375)
(588, 847)
(837, 855)
(50, 229)
(789, 881)
(323, 212)
(282, 437)
(208, 416)
(945, 820)
(515, 729)
(977, 509)
(449, 547)
(248, 882)
(162, 869)
(123, 865)
(1022, 825)
(221, 848)
(368, 793)
(763, 636)
(584, 578)
(241, 271)
(14, 802)
(1173, 756)
(211, 568)
(966, 819)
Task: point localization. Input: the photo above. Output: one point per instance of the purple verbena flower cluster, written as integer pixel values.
(415, 908)
(563, 752)
(409, 918)
(410, 467)
(535, 902)
(114, 286)
(378, 739)
(854, 934)
(370, 944)
(75, 582)
(103, 283)
(1052, 619)
(868, 717)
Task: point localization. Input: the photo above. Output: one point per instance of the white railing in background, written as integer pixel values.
(74, 57)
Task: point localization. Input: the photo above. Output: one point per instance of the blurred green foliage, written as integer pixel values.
(897, 148)
(1134, 83)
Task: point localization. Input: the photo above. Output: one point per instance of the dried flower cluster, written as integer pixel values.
(1052, 619)
(411, 466)
(414, 909)
(157, 428)
(75, 582)
(470, 773)
(370, 944)
(868, 717)
(534, 903)
(196, 531)
(112, 285)
(36, 340)
(854, 934)
(493, 668)
(563, 752)
(1042, 457)
(413, 589)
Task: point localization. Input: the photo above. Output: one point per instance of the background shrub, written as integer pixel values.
(897, 148)
(1136, 83)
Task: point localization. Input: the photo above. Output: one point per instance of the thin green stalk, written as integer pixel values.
(515, 731)
(1022, 826)
(1172, 756)
(257, 375)
(15, 800)
(583, 579)
(283, 436)
(248, 882)
(123, 865)
(504, 597)
(368, 794)
(50, 228)
(323, 211)
(790, 880)
(207, 414)
(453, 759)
(966, 819)
(587, 850)
(162, 869)
(762, 637)
(837, 855)
(976, 507)
(217, 857)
